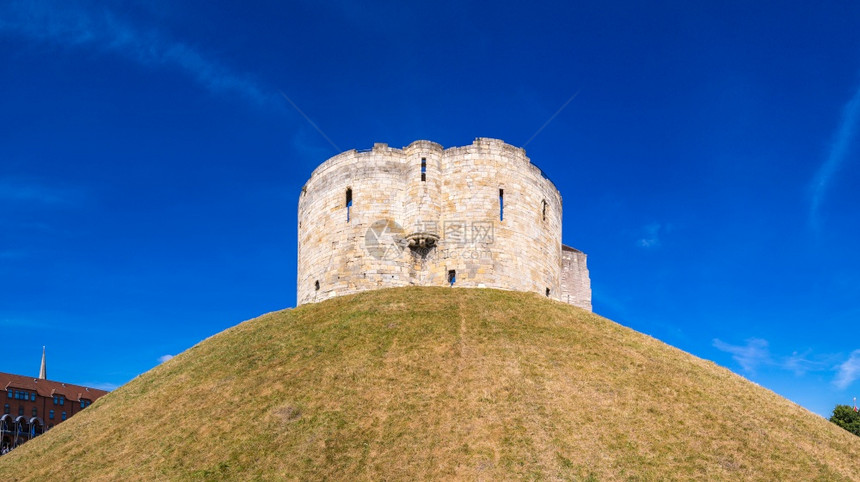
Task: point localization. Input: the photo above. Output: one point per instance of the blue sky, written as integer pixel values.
(150, 166)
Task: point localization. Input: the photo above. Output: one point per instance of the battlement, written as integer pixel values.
(480, 215)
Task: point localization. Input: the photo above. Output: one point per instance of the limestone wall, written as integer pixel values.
(403, 230)
(575, 282)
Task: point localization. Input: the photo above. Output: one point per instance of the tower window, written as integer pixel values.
(348, 202)
(547, 291)
(501, 204)
(544, 210)
(423, 168)
(317, 285)
(452, 277)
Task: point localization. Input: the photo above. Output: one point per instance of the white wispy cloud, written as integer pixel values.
(750, 356)
(651, 236)
(24, 323)
(10, 254)
(848, 371)
(164, 358)
(68, 24)
(801, 363)
(32, 192)
(756, 353)
(836, 157)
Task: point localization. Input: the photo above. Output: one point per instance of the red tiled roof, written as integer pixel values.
(49, 388)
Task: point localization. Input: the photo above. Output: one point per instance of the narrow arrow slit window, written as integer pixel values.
(348, 202)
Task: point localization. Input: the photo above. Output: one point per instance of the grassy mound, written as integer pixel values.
(438, 383)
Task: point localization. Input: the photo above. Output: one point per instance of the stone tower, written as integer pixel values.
(475, 216)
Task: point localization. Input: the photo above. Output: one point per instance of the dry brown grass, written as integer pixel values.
(421, 383)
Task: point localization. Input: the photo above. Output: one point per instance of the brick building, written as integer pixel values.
(33, 405)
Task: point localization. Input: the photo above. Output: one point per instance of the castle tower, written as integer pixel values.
(474, 216)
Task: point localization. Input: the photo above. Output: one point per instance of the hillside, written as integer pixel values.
(438, 383)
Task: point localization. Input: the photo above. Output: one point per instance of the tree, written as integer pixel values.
(847, 418)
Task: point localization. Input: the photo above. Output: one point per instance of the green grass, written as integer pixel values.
(430, 383)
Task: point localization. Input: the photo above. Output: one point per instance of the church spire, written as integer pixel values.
(43, 371)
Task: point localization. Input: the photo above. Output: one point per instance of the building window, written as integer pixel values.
(35, 412)
(348, 202)
(547, 291)
(423, 168)
(32, 396)
(317, 285)
(20, 411)
(58, 399)
(544, 210)
(452, 277)
(6, 408)
(51, 414)
(8, 393)
(501, 204)
(63, 416)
